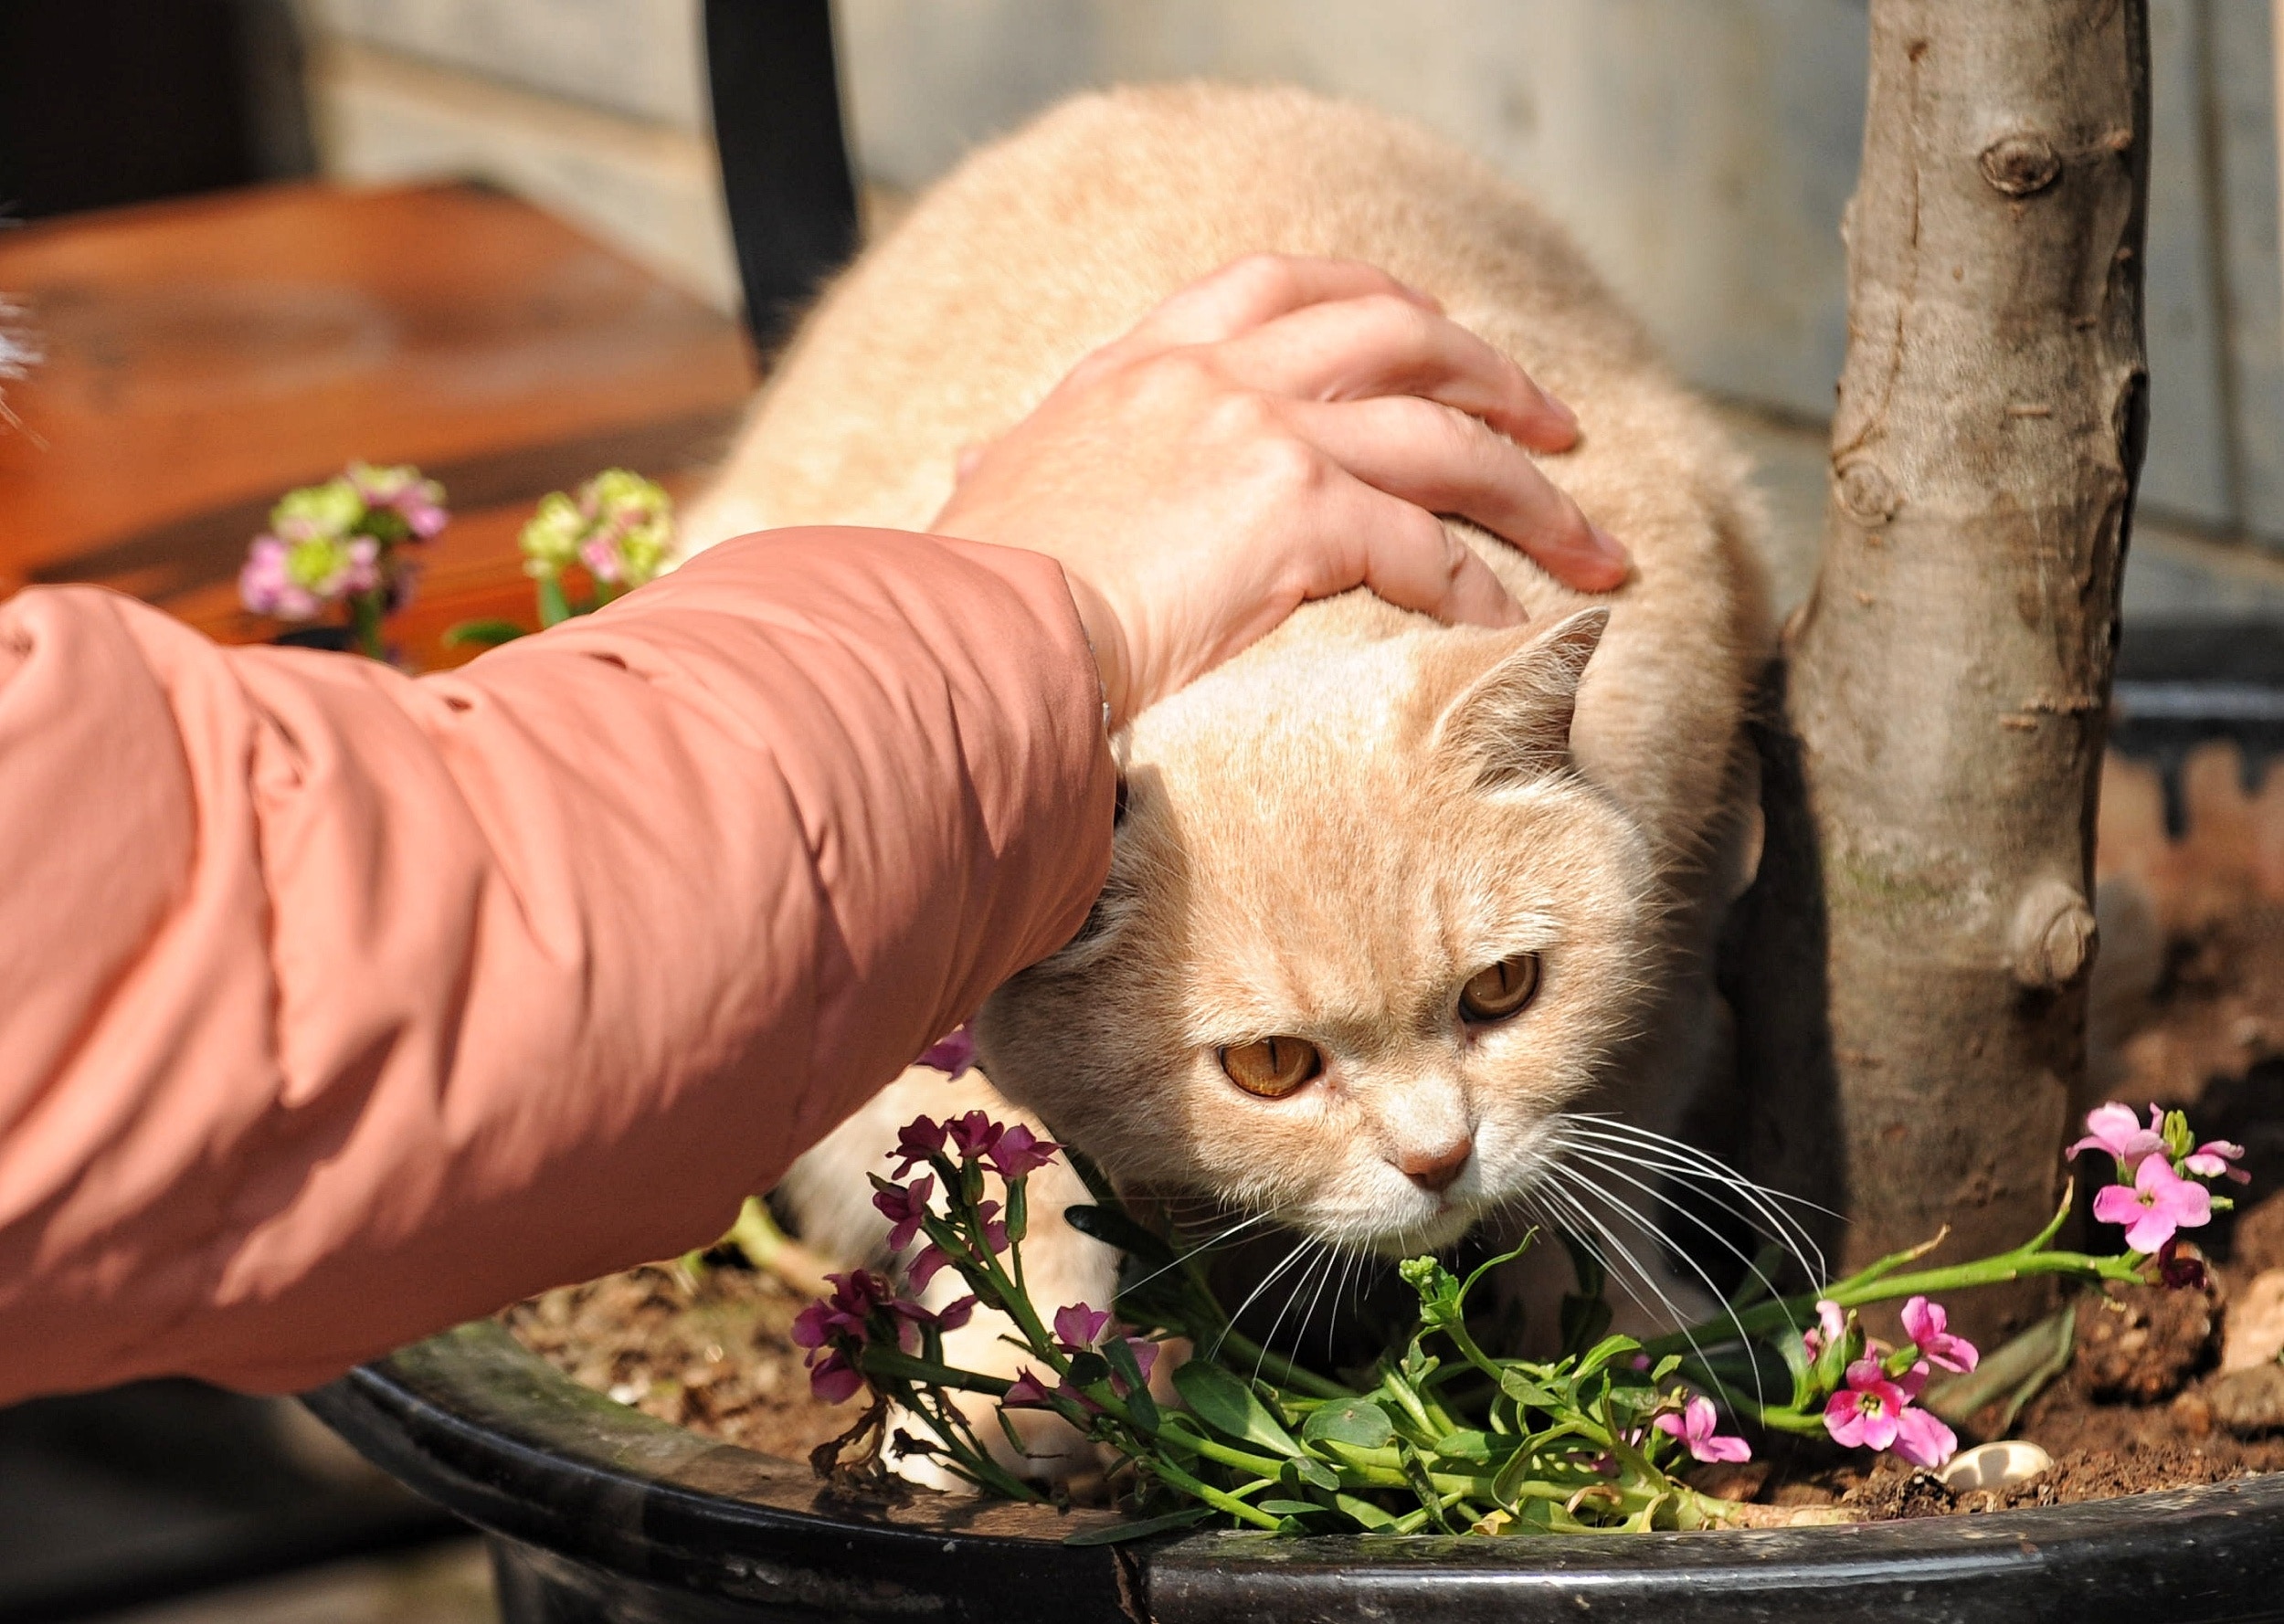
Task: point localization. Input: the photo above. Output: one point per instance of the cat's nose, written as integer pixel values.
(1435, 1169)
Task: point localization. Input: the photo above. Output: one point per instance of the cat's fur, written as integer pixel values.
(1327, 837)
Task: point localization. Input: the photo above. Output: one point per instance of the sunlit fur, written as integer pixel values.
(1328, 837)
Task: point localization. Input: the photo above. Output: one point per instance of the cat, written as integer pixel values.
(1404, 921)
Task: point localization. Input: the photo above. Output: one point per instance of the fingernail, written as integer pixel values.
(1421, 296)
(1610, 548)
(1561, 409)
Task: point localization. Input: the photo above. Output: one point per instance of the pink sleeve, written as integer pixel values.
(339, 1007)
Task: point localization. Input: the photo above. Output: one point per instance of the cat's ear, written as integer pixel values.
(1513, 722)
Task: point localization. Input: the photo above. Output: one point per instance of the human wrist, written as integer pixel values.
(1106, 640)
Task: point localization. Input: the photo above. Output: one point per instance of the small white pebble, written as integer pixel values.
(1994, 1466)
(628, 1392)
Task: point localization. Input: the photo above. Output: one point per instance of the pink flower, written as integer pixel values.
(1924, 1323)
(1923, 1440)
(956, 1313)
(1144, 1356)
(419, 502)
(2157, 1203)
(923, 1266)
(1019, 1151)
(1694, 1427)
(834, 1379)
(917, 1141)
(1080, 1327)
(973, 1135)
(1832, 1323)
(903, 1207)
(1026, 1392)
(951, 1054)
(2115, 1128)
(266, 586)
(1862, 1415)
(2211, 1160)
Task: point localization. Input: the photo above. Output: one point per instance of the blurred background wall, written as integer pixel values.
(1701, 149)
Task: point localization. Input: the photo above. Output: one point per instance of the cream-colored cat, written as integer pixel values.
(1389, 917)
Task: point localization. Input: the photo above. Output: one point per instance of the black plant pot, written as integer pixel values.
(598, 1513)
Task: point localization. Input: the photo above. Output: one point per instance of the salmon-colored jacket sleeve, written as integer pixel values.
(338, 1005)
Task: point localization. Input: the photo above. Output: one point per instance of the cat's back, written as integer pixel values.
(1048, 244)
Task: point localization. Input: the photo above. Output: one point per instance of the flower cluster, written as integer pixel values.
(2157, 1193)
(339, 542)
(618, 525)
(863, 1311)
(1874, 1389)
(1080, 1328)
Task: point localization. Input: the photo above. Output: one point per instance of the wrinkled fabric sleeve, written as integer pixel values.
(342, 1006)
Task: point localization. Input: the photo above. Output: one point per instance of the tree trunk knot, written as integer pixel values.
(1866, 492)
(2021, 163)
(2052, 936)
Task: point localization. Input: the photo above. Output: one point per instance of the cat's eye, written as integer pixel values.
(1502, 990)
(1272, 1067)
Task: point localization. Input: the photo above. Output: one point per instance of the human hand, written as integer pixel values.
(1285, 429)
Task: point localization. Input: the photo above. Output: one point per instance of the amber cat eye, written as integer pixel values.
(1272, 1067)
(1502, 990)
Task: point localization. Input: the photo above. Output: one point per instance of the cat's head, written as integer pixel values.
(1365, 933)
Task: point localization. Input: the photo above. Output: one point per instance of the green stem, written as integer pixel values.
(366, 609)
(1881, 1287)
(1280, 1369)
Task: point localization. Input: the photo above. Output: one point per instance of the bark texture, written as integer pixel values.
(1913, 989)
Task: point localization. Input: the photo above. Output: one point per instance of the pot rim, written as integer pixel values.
(478, 1423)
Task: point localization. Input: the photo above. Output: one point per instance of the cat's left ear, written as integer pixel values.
(1513, 722)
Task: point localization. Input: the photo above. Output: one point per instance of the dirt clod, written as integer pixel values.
(2249, 1403)
(2147, 1345)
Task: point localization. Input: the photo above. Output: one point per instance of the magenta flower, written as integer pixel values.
(923, 1266)
(2180, 1270)
(1925, 1323)
(1863, 1414)
(834, 1379)
(1832, 1323)
(917, 1141)
(973, 1135)
(2212, 1159)
(2157, 1203)
(1026, 1392)
(994, 1228)
(951, 1054)
(2115, 1128)
(1079, 1327)
(267, 586)
(1694, 1426)
(956, 1313)
(1019, 1151)
(1144, 1356)
(904, 1207)
(1923, 1440)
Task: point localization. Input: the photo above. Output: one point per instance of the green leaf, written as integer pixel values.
(1292, 1508)
(1607, 1349)
(483, 634)
(1120, 1532)
(1363, 1513)
(1523, 1390)
(554, 607)
(1086, 1370)
(1114, 1228)
(1316, 1473)
(1229, 1407)
(1356, 1421)
(1467, 1445)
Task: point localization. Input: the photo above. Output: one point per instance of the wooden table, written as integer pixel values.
(205, 356)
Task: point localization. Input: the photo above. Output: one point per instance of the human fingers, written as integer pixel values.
(1405, 554)
(1351, 348)
(1260, 288)
(1447, 462)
